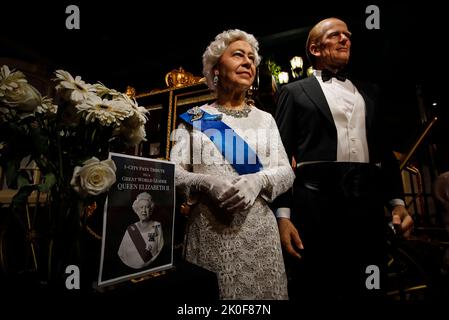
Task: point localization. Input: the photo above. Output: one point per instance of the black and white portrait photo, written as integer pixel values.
(138, 220)
(143, 240)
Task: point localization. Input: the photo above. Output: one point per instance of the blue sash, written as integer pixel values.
(243, 159)
(139, 242)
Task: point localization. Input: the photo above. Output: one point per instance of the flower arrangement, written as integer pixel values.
(67, 136)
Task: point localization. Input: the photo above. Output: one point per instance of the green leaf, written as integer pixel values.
(12, 166)
(21, 198)
(22, 180)
(49, 181)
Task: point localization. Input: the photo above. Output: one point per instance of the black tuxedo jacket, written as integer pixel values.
(309, 134)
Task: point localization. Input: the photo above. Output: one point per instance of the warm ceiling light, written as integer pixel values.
(296, 62)
(310, 71)
(283, 77)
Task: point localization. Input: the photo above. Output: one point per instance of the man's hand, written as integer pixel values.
(402, 218)
(289, 237)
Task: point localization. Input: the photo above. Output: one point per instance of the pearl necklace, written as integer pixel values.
(236, 113)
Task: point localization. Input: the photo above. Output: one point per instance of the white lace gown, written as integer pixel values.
(245, 254)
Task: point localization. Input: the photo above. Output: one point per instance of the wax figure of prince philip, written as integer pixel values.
(345, 174)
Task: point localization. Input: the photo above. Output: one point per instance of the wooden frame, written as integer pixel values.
(165, 106)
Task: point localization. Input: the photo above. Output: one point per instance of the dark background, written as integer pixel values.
(136, 43)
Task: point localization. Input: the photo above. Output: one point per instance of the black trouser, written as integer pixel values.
(340, 217)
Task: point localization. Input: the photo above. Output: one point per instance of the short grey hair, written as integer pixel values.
(217, 47)
(144, 196)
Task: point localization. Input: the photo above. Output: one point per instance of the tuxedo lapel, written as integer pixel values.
(313, 90)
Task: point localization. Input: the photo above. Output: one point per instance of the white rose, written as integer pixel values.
(24, 97)
(94, 178)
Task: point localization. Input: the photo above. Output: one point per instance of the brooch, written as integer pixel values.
(196, 113)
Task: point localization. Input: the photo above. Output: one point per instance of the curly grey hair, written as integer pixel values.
(217, 47)
(142, 196)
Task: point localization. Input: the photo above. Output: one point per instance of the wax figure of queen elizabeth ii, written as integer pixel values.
(230, 158)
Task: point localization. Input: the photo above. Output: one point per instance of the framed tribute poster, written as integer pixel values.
(138, 219)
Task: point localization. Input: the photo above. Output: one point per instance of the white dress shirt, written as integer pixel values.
(348, 111)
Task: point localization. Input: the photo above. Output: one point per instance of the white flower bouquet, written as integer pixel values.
(68, 136)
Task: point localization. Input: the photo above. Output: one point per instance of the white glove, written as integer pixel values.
(249, 187)
(217, 188)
